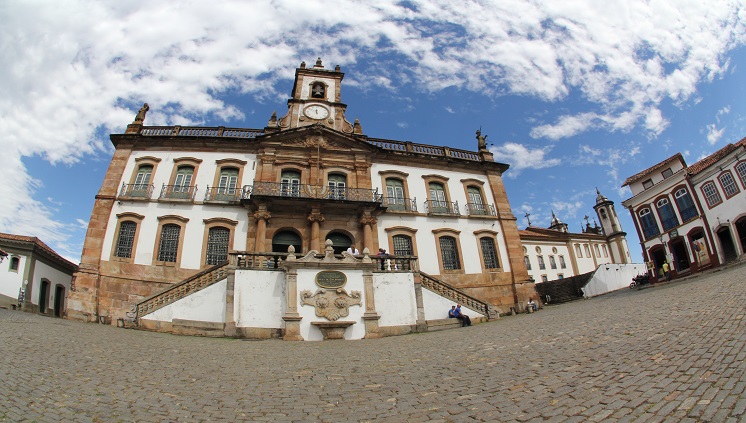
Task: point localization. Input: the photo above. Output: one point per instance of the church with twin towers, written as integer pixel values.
(308, 228)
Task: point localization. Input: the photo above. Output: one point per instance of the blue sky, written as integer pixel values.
(574, 95)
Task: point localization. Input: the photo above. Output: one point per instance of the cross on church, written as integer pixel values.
(527, 218)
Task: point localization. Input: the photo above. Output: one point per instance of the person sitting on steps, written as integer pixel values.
(531, 306)
(465, 320)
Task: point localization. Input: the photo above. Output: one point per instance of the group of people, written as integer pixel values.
(455, 313)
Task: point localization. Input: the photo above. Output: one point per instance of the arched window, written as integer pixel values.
(542, 266)
(667, 215)
(318, 90)
(712, 196)
(218, 239)
(685, 204)
(649, 226)
(598, 251)
(290, 183)
(15, 262)
(578, 252)
(552, 262)
(563, 265)
(284, 239)
(606, 250)
(528, 262)
(340, 242)
(729, 184)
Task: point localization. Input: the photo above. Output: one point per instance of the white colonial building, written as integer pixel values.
(692, 217)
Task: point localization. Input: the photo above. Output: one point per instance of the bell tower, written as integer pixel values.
(612, 229)
(316, 100)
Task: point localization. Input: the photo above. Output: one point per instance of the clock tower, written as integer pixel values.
(316, 99)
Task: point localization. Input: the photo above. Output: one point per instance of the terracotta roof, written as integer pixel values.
(714, 157)
(636, 177)
(39, 244)
(533, 231)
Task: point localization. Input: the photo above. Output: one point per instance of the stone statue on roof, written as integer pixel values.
(140, 117)
(481, 140)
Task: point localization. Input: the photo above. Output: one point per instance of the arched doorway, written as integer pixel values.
(284, 239)
(43, 297)
(680, 255)
(340, 242)
(59, 300)
(726, 242)
(741, 230)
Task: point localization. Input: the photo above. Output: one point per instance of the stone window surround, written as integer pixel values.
(182, 162)
(475, 183)
(212, 223)
(165, 220)
(126, 217)
(228, 163)
(14, 259)
(144, 161)
(439, 180)
(401, 230)
(398, 175)
(487, 233)
(453, 233)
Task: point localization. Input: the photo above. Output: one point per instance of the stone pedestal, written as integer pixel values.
(292, 328)
(333, 330)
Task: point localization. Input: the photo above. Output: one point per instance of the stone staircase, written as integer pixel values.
(447, 291)
(178, 291)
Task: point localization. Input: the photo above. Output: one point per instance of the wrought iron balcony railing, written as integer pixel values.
(278, 189)
(222, 195)
(450, 208)
(479, 209)
(178, 192)
(395, 204)
(136, 191)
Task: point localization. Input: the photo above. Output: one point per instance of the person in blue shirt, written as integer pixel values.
(452, 312)
(465, 320)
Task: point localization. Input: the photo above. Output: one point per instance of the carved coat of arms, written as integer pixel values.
(331, 304)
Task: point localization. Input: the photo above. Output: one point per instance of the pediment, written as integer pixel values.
(318, 136)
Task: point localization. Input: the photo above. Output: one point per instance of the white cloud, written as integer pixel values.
(450, 110)
(520, 157)
(75, 72)
(714, 134)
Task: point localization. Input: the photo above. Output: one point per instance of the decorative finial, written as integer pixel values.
(318, 63)
(303, 65)
(273, 120)
(357, 128)
(336, 68)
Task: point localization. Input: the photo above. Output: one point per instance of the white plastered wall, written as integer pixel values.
(206, 305)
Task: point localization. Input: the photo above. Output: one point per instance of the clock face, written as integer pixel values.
(316, 112)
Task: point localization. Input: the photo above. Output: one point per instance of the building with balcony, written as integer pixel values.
(177, 201)
(692, 217)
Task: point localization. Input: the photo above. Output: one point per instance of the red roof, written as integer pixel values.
(649, 171)
(39, 244)
(714, 157)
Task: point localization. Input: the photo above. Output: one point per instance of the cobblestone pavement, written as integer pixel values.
(667, 353)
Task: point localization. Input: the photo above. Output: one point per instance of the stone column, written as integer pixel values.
(261, 216)
(370, 317)
(421, 322)
(230, 319)
(315, 217)
(292, 318)
(368, 221)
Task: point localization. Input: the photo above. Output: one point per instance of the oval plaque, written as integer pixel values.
(331, 279)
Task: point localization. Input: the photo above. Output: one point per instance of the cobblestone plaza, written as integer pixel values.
(673, 352)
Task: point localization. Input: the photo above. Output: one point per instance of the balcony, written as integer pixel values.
(403, 205)
(479, 209)
(442, 208)
(277, 189)
(136, 191)
(183, 193)
(222, 195)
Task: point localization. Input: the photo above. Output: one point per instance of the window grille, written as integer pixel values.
(126, 239)
(449, 253)
(169, 245)
(489, 253)
(217, 245)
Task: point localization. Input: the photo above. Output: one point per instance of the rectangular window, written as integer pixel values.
(563, 265)
(552, 262)
(666, 173)
(741, 170)
(528, 262)
(578, 252)
(544, 278)
(647, 184)
(712, 197)
(649, 225)
(217, 245)
(126, 239)
(542, 266)
(489, 253)
(587, 250)
(449, 253)
(169, 245)
(560, 276)
(686, 206)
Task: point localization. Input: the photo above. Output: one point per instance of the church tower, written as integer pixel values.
(612, 229)
(316, 100)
